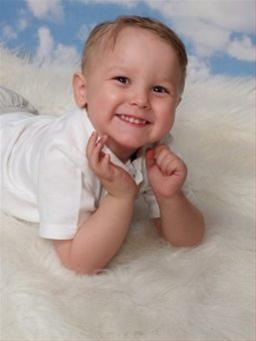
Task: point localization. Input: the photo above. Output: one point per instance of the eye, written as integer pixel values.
(160, 89)
(121, 79)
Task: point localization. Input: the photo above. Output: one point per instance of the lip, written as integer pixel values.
(133, 120)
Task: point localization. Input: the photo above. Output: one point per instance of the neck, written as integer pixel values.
(123, 153)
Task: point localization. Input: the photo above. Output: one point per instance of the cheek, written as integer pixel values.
(166, 114)
(104, 98)
(112, 97)
(167, 122)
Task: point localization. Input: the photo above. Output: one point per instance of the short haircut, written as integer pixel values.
(107, 33)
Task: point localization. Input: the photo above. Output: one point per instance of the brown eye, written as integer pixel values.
(160, 89)
(121, 79)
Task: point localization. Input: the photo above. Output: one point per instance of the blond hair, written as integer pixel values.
(111, 30)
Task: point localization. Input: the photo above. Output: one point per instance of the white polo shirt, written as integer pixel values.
(45, 173)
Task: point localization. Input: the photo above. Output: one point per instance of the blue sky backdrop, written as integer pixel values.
(219, 35)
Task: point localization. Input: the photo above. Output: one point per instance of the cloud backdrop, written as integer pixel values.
(219, 35)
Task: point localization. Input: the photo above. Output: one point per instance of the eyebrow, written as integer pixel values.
(166, 80)
(125, 69)
(117, 67)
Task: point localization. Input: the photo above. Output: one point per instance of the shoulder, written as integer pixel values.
(66, 140)
(68, 129)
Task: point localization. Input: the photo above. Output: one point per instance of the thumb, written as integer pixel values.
(150, 161)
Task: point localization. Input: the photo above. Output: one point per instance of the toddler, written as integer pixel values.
(80, 174)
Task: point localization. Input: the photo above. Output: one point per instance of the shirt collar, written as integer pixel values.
(134, 167)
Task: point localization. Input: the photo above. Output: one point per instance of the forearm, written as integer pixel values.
(181, 223)
(99, 239)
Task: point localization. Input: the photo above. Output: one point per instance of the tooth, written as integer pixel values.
(132, 119)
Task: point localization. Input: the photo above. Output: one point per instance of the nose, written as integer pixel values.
(139, 97)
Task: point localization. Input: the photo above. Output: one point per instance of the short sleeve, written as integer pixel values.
(59, 193)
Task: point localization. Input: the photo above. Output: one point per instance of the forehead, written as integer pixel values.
(131, 42)
(135, 37)
(140, 50)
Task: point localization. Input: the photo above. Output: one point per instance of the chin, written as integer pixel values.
(125, 146)
(132, 145)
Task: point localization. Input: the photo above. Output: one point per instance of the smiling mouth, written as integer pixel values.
(133, 120)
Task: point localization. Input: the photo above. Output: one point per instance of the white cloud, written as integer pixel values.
(9, 33)
(242, 49)
(127, 3)
(23, 20)
(22, 24)
(46, 44)
(235, 15)
(84, 31)
(49, 52)
(209, 24)
(206, 38)
(197, 69)
(46, 8)
(64, 54)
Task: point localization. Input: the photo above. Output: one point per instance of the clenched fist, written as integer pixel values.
(166, 171)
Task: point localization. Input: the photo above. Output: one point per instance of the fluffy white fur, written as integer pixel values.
(151, 290)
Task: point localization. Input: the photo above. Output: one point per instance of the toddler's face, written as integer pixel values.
(132, 91)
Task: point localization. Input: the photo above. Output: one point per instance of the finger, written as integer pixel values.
(165, 164)
(159, 148)
(105, 164)
(150, 157)
(162, 153)
(163, 157)
(163, 147)
(91, 143)
(102, 140)
(96, 154)
(171, 167)
(170, 163)
(176, 167)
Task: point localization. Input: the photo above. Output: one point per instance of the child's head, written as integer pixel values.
(105, 35)
(133, 74)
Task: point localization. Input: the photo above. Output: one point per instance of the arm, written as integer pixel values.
(180, 222)
(101, 236)
(99, 239)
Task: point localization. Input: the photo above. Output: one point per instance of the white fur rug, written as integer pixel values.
(151, 291)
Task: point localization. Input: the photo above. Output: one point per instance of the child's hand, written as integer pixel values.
(115, 180)
(166, 171)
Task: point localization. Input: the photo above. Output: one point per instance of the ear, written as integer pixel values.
(79, 89)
